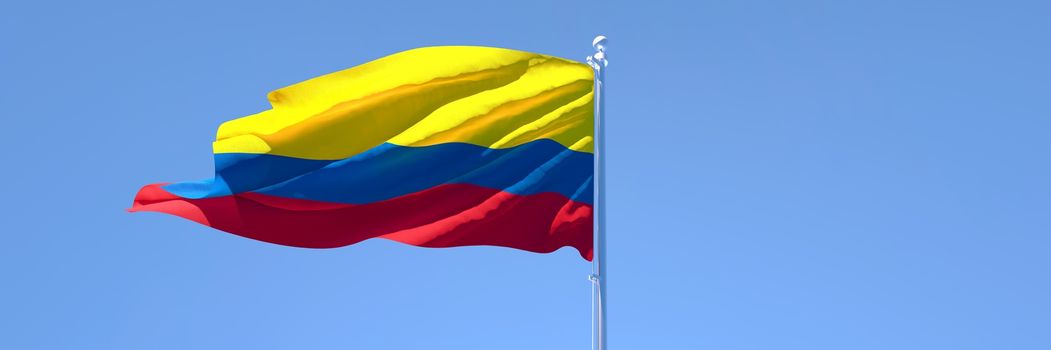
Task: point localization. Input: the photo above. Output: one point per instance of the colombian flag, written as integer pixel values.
(434, 147)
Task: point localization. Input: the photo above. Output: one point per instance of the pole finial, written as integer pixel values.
(600, 43)
(598, 60)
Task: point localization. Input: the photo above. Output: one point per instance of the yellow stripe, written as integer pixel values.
(486, 96)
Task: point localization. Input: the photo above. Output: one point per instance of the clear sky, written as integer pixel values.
(782, 175)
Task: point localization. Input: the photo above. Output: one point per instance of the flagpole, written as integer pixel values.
(598, 62)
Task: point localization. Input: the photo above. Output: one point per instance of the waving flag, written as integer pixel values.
(434, 147)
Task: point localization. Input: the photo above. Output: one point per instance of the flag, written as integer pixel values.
(434, 147)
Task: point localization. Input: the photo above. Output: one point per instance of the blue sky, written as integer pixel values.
(804, 175)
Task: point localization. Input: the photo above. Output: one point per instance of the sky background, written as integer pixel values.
(782, 175)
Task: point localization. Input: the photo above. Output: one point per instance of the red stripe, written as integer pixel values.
(444, 216)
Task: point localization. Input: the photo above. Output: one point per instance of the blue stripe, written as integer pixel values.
(388, 171)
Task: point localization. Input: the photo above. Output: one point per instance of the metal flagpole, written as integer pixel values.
(598, 62)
